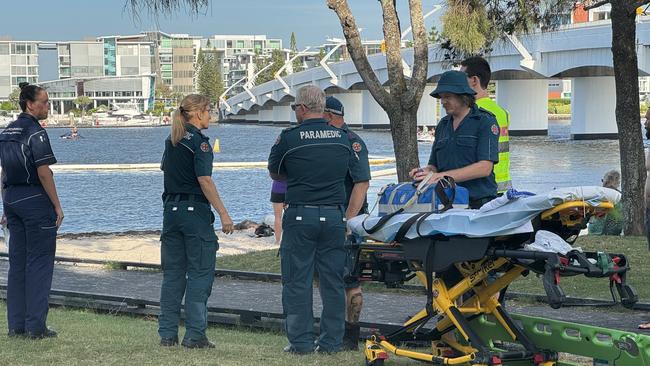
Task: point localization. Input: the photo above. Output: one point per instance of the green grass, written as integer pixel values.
(559, 106)
(87, 338)
(635, 249)
(260, 261)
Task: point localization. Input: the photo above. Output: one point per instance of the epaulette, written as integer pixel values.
(486, 112)
(290, 128)
(352, 135)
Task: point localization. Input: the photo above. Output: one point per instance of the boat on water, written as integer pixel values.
(426, 138)
(125, 111)
(425, 134)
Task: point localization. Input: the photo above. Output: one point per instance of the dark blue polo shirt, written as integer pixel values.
(24, 146)
(475, 139)
(183, 163)
(315, 158)
(360, 149)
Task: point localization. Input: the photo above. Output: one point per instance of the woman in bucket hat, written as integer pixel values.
(466, 141)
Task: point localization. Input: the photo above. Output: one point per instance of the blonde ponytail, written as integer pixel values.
(182, 115)
(178, 126)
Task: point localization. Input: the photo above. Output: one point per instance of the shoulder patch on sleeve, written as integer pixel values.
(356, 146)
(495, 129)
(205, 147)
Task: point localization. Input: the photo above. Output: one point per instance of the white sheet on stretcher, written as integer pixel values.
(512, 217)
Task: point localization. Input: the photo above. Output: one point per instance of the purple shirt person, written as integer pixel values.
(278, 190)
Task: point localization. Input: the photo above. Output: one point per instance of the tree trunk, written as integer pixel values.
(626, 74)
(402, 103)
(403, 128)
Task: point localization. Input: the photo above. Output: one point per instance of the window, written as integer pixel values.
(18, 60)
(19, 70)
(4, 49)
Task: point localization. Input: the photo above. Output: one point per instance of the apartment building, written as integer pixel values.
(18, 63)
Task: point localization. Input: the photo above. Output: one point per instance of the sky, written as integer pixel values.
(311, 20)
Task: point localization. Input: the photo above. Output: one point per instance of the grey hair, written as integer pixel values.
(612, 179)
(312, 97)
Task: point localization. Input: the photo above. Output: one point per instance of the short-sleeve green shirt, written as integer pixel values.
(183, 163)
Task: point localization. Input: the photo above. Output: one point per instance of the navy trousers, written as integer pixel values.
(32, 243)
(312, 239)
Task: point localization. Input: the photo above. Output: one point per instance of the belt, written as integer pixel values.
(185, 197)
(327, 207)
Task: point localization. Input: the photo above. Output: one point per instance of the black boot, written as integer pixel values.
(351, 337)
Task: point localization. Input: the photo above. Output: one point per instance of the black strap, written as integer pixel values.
(447, 201)
(381, 222)
(401, 233)
(421, 220)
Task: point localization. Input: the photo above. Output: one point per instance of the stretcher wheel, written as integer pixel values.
(377, 362)
(628, 295)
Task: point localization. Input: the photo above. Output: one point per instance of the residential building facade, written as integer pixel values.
(18, 63)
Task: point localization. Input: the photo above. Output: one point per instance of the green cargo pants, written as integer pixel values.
(312, 238)
(188, 254)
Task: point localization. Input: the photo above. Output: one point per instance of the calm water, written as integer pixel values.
(120, 201)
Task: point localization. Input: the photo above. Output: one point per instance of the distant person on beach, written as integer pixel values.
(33, 214)
(334, 115)
(314, 158)
(189, 244)
(278, 191)
(612, 223)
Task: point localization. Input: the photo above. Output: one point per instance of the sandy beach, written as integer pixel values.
(144, 247)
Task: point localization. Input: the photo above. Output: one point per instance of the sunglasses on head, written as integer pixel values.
(295, 106)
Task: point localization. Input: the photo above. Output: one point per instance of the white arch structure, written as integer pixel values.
(521, 67)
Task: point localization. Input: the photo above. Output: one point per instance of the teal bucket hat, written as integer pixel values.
(452, 82)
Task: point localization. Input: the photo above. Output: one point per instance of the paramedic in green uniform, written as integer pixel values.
(466, 142)
(334, 114)
(314, 158)
(189, 244)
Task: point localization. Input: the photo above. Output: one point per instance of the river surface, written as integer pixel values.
(116, 201)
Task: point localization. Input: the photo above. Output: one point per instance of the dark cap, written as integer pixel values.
(334, 106)
(454, 82)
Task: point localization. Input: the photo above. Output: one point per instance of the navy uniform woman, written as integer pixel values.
(33, 214)
(466, 145)
(189, 244)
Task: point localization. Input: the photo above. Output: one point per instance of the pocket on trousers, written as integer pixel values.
(47, 235)
(209, 253)
(209, 247)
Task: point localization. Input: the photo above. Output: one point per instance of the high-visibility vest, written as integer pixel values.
(502, 169)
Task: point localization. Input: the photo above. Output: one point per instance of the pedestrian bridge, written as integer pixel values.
(521, 67)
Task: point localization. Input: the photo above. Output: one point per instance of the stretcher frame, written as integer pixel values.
(461, 298)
